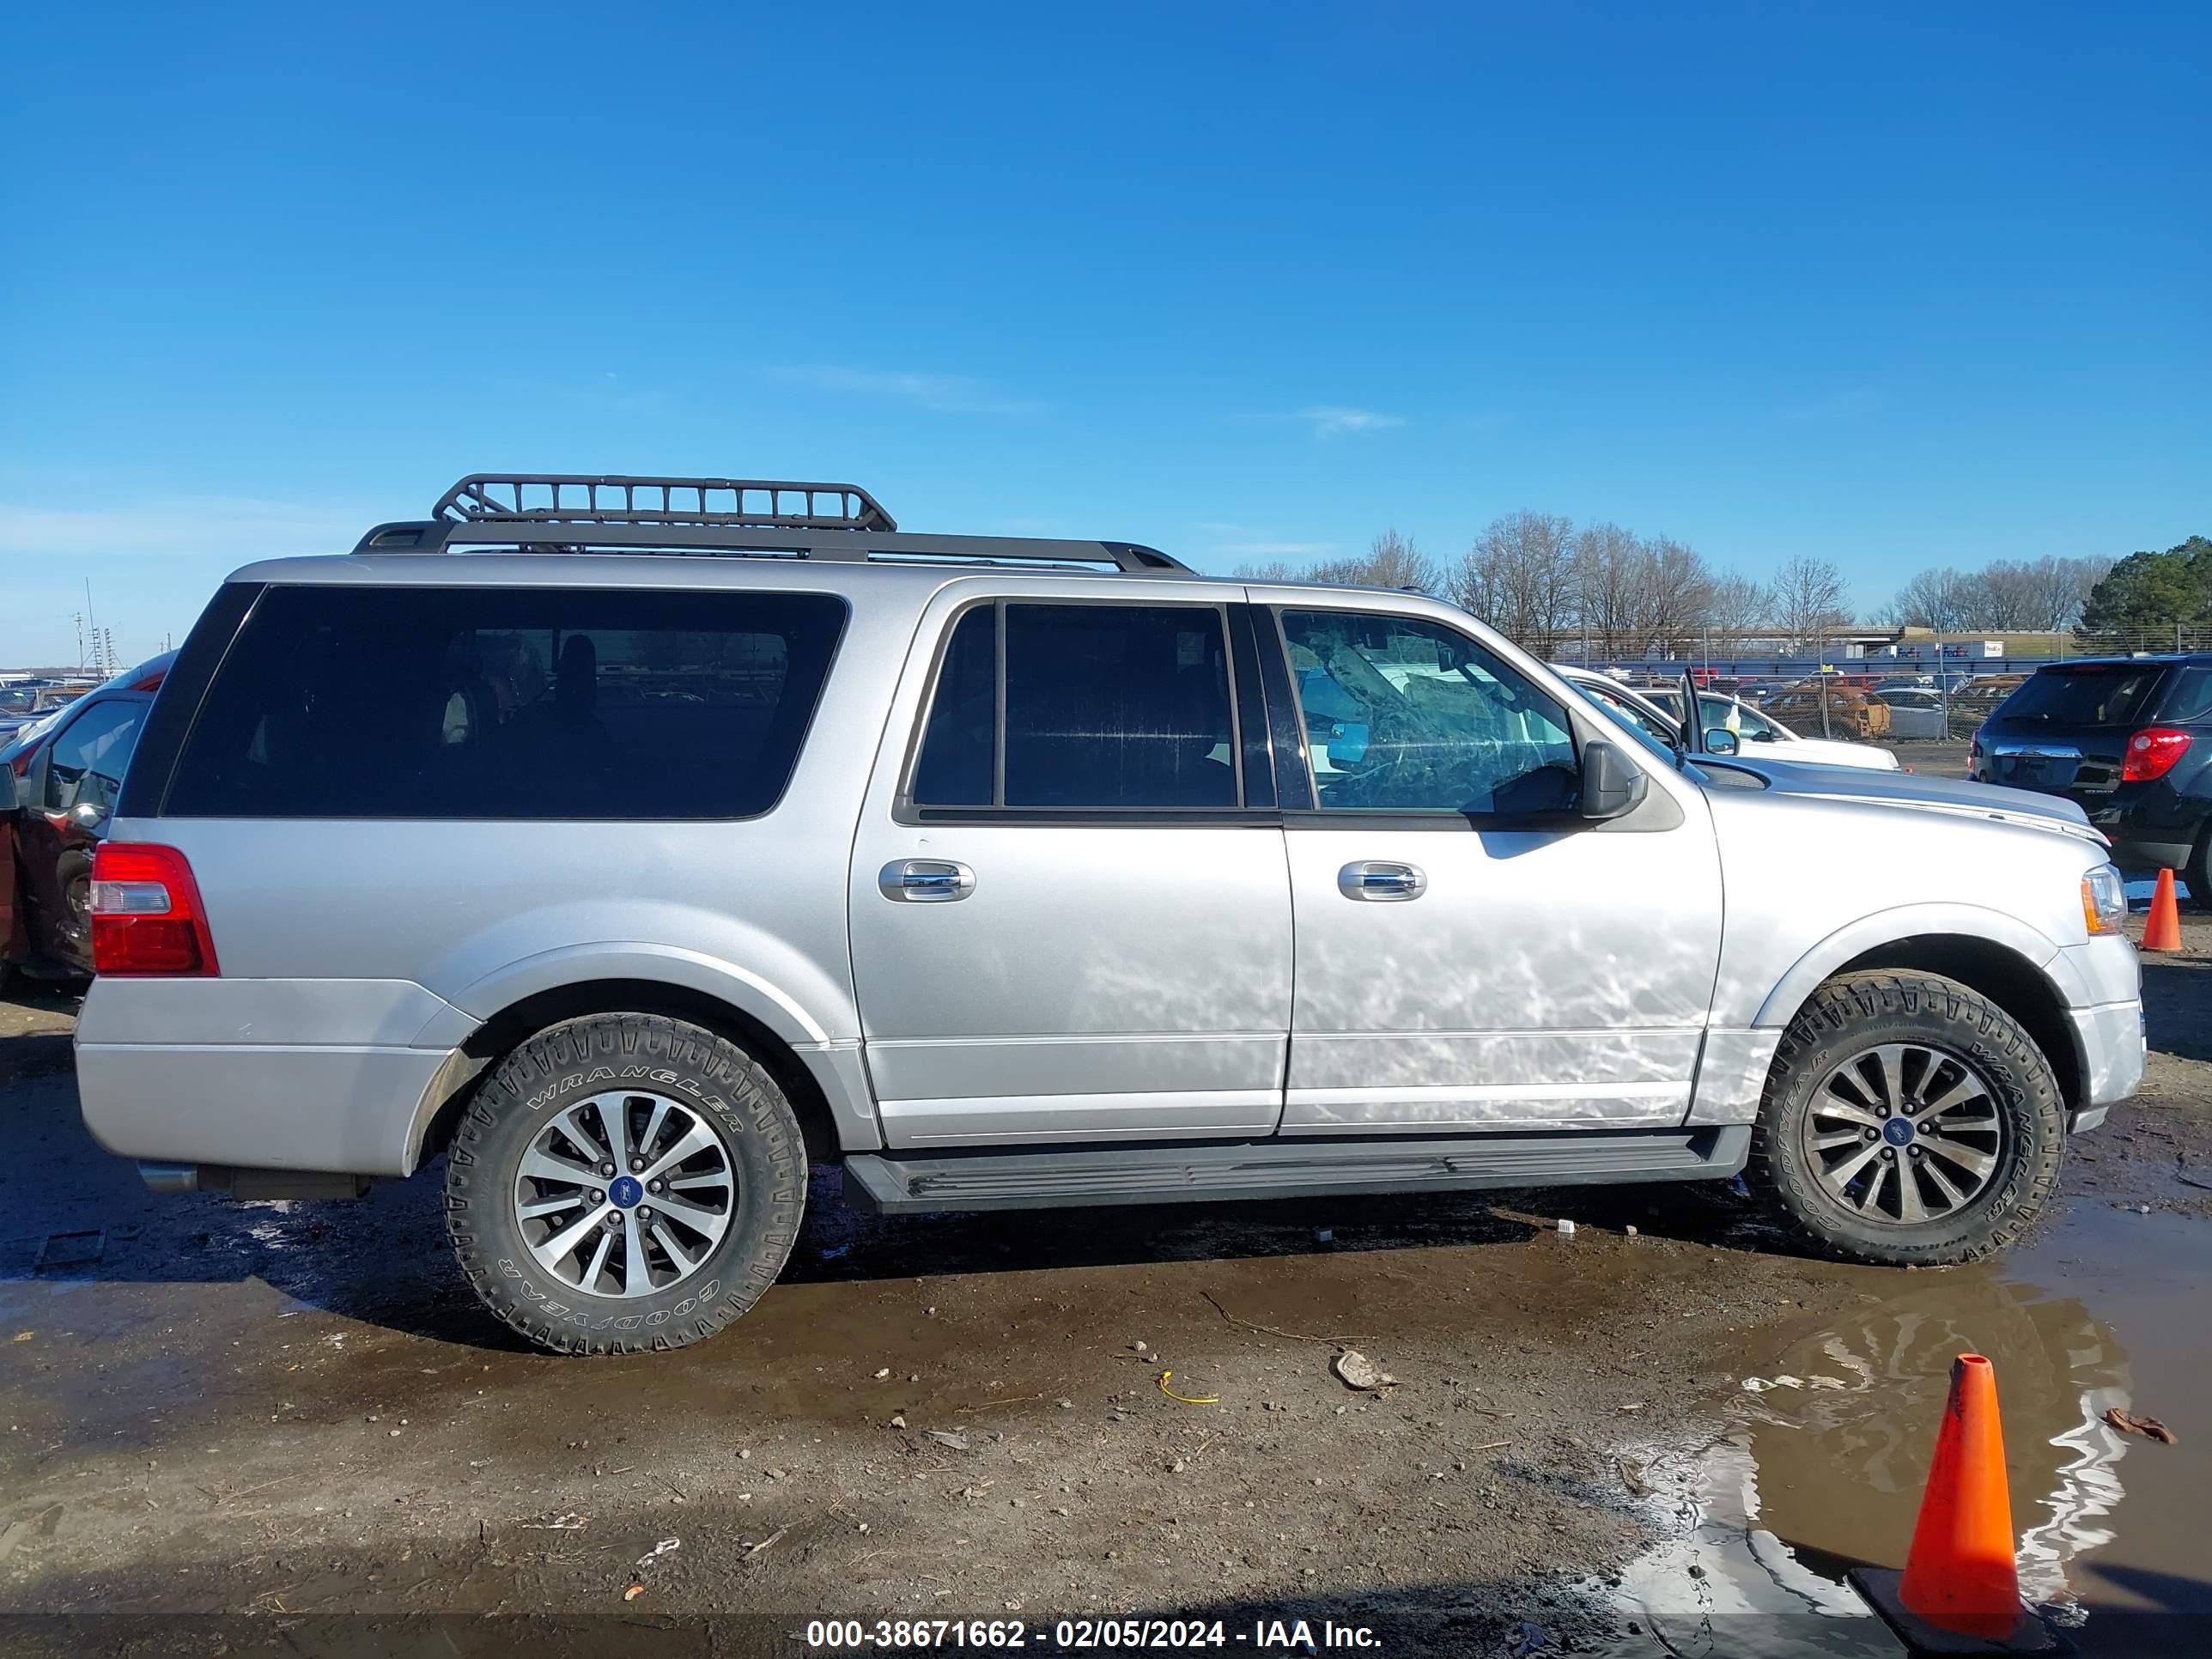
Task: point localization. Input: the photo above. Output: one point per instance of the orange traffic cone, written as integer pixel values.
(1959, 1592)
(2162, 928)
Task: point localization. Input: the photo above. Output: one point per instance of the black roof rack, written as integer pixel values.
(578, 498)
(566, 513)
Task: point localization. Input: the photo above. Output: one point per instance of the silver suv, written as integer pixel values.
(1018, 873)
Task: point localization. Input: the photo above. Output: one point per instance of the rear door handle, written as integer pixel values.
(1382, 881)
(926, 881)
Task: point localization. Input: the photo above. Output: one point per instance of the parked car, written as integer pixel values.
(64, 773)
(1916, 714)
(1658, 711)
(2128, 739)
(1009, 883)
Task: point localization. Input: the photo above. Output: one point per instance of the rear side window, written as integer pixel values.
(1105, 707)
(2081, 697)
(2189, 700)
(85, 764)
(496, 703)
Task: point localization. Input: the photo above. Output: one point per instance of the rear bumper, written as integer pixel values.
(259, 1074)
(257, 1106)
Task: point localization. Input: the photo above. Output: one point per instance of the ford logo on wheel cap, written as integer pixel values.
(626, 1190)
(1898, 1132)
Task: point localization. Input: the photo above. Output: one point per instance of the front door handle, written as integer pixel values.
(926, 881)
(1381, 880)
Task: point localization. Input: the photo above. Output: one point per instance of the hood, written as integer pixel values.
(1835, 751)
(1953, 797)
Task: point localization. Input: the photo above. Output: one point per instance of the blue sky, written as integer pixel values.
(1890, 286)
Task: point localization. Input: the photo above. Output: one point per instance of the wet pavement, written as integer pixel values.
(287, 1427)
(1821, 1468)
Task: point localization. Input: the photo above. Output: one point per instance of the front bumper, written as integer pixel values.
(2111, 1038)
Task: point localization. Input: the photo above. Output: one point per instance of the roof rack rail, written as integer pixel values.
(614, 498)
(569, 512)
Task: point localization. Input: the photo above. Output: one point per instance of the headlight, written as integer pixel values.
(2103, 901)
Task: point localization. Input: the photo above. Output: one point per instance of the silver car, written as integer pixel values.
(631, 843)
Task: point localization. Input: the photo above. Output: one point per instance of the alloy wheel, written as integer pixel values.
(1903, 1133)
(625, 1194)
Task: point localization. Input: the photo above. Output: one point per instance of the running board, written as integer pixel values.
(889, 1184)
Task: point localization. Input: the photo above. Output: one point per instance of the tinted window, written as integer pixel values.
(508, 703)
(1106, 707)
(87, 761)
(2189, 701)
(956, 766)
(2081, 696)
(1444, 726)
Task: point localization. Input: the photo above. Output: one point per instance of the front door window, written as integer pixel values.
(1407, 715)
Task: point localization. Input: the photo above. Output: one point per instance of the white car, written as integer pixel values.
(1749, 724)
(1914, 713)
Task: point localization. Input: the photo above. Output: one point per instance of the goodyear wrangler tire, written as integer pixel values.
(1908, 1120)
(624, 1182)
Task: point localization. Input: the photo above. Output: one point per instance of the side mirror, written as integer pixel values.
(1719, 740)
(1610, 785)
(8, 785)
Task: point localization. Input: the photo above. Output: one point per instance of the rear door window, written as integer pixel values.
(1103, 707)
(2088, 695)
(499, 702)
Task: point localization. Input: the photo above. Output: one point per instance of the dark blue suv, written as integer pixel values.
(2130, 739)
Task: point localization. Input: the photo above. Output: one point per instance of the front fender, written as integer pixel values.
(1910, 921)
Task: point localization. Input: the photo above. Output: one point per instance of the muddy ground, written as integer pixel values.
(286, 1427)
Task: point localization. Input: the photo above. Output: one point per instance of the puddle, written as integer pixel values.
(2101, 1310)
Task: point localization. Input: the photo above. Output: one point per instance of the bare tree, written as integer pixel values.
(1607, 563)
(1940, 600)
(2042, 595)
(2063, 587)
(1391, 561)
(1740, 606)
(1677, 593)
(1809, 599)
(1519, 577)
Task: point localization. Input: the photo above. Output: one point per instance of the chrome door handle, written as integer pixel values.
(1381, 880)
(926, 881)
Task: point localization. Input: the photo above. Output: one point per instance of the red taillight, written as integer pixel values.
(147, 917)
(2152, 753)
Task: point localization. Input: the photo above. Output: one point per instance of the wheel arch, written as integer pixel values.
(1997, 968)
(820, 1089)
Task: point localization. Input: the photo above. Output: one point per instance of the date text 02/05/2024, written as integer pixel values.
(1072, 1635)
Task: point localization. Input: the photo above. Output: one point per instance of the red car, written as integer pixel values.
(63, 775)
